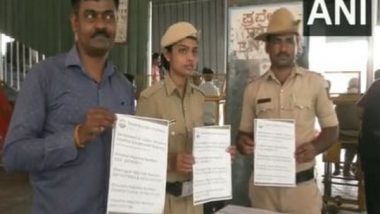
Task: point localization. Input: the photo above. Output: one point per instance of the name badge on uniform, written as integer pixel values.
(187, 189)
(264, 100)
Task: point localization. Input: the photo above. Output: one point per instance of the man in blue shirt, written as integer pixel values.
(60, 131)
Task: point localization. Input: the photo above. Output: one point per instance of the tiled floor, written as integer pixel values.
(16, 193)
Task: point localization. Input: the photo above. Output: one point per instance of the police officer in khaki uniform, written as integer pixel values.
(178, 100)
(289, 91)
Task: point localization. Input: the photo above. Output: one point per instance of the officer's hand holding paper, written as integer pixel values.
(138, 165)
(274, 161)
(212, 168)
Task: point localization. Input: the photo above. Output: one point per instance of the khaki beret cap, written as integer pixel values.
(177, 32)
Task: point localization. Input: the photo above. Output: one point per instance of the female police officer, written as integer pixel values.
(177, 100)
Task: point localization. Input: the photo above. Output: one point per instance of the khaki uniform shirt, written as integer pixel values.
(163, 101)
(302, 97)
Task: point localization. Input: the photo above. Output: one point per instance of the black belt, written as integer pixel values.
(305, 175)
(174, 188)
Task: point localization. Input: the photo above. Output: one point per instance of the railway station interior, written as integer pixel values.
(32, 31)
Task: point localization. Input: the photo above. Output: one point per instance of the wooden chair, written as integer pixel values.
(346, 116)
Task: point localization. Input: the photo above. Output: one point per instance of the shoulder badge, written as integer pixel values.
(197, 89)
(152, 89)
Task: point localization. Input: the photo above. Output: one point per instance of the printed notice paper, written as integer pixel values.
(274, 161)
(138, 165)
(212, 168)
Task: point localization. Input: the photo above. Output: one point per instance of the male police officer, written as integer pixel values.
(288, 91)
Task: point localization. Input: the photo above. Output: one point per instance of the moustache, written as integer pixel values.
(100, 33)
(282, 54)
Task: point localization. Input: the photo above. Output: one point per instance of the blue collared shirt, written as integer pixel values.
(54, 98)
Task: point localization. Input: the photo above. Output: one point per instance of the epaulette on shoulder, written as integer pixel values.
(256, 81)
(318, 74)
(152, 89)
(197, 89)
(314, 73)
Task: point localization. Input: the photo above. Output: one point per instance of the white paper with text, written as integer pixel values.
(212, 168)
(274, 161)
(138, 165)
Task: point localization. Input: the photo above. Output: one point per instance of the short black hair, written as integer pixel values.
(130, 77)
(75, 4)
(207, 71)
(155, 55)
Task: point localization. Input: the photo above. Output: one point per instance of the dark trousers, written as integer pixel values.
(371, 170)
(212, 207)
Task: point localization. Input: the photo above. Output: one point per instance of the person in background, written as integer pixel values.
(197, 79)
(369, 145)
(61, 128)
(353, 86)
(209, 118)
(287, 91)
(131, 79)
(377, 74)
(163, 66)
(5, 115)
(349, 125)
(10, 93)
(155, 68)
(177, 99)
(328, 87)
(209, 89)
(361, 103)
